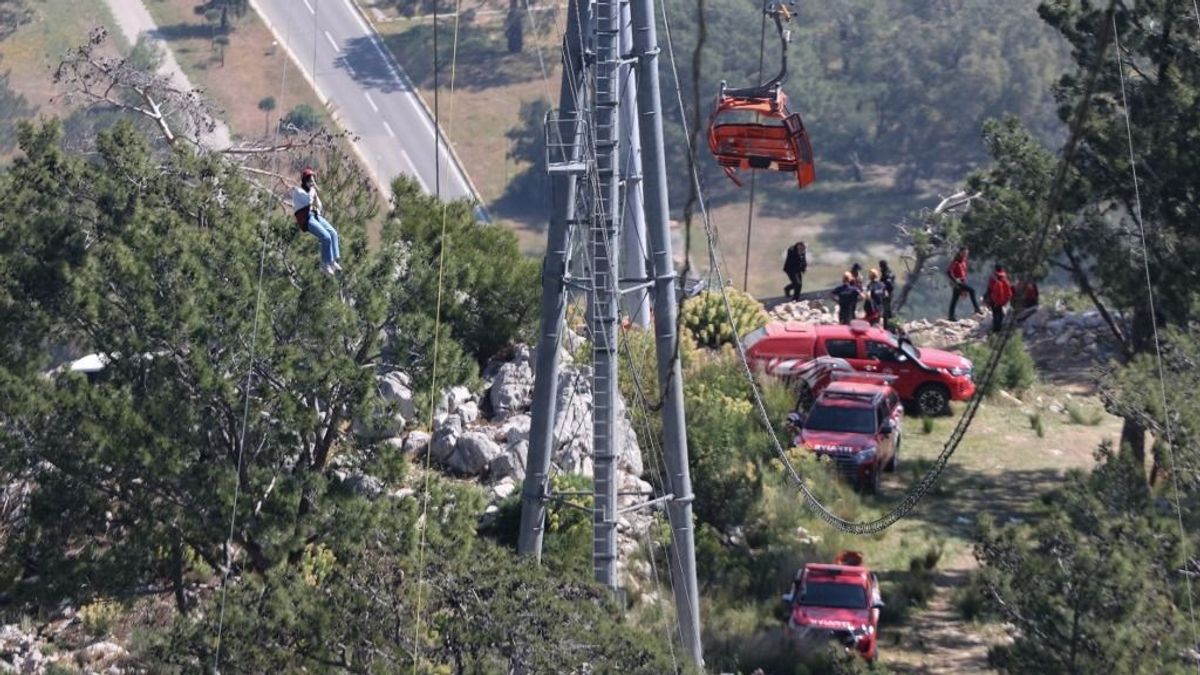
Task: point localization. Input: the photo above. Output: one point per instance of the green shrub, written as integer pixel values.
(1035, 423)
(1016, 371)
(910, 590)
(970, 599)
(1083, 417)
(303, 117)
(98, 617)
(709, 323)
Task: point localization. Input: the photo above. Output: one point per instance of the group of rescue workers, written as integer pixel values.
(877, 290)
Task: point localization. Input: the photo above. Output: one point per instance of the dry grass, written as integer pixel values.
(253, 70)
(32, 53)
(1000, 469)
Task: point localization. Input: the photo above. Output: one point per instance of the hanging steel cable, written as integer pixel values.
(1158, 355)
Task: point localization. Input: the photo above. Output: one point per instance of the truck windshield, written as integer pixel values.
(752, 337)
(846, 596)
(852, 419)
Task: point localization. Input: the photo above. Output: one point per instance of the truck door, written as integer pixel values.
(883, 358)
(847, 349)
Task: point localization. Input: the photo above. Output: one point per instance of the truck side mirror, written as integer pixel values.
(878, 604)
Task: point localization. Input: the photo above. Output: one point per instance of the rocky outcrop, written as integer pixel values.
(29, 651)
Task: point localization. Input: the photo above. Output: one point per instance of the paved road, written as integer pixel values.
(134, 21)
(370, 95)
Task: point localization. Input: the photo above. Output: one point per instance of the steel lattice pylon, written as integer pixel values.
(597, 145)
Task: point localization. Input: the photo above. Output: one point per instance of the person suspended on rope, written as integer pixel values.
(888, 277)
(847, 296)
(876, 296)
(795, 265)
(856, 273)
(307, 208)
(957, 271)
(999, 293)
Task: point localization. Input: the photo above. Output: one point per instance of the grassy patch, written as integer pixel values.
(33, 51)
(489, 87)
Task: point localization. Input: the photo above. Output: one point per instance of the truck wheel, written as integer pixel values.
(933, 399)
(869, 486)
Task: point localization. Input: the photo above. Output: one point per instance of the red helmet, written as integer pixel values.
(307, 173)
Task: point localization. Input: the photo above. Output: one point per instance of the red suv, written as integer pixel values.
(927, 378)
(839, 601)
(855, 423)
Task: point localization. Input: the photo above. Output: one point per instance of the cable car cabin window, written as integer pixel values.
(842, 349)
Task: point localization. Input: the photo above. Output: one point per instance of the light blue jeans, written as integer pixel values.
(327, 236)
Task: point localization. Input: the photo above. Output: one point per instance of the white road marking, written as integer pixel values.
(415, 174)
(391, 133)
(310, 7)
(372, 102)
(332, 42)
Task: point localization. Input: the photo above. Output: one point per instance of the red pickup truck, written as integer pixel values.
(855, 422)
(926, 378)
(839, 602)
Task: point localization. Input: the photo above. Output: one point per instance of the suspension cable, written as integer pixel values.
(762, 45)
(1162, 380)
(237, 483)
(437, 323)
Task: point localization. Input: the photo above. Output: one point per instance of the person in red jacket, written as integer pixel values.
(957, 271)
(999, 293)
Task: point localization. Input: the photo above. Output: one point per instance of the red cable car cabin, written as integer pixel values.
(774, 138)
(778, 142)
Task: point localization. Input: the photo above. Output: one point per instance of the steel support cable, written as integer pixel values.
(1162, 380)
(927, 481)
(237, 483)
(659, 473)
(443, 245)
(762, 45)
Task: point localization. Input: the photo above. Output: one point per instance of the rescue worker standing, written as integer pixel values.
(876, 296)
(309, 213)
(999, 293)
(847, 296)
(794, 266)
(957, 271)
(888, 277)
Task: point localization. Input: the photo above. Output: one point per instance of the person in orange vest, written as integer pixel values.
(847, 296)
(957, 271)
(876, 297)
(310, 218)
(999, 293)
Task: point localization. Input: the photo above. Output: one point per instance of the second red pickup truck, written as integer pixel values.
(926, 378)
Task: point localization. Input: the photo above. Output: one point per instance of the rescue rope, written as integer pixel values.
(237, 477)
(1162, 380)
(959, 432)
(423, 523)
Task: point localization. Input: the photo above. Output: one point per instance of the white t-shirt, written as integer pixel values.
(302, 198)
